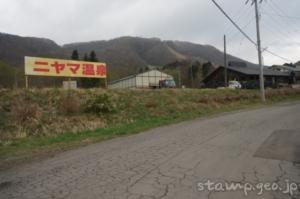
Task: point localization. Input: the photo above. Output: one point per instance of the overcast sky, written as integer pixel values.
(199, 21)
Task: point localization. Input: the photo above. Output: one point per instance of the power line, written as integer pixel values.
(278, 8)
(245, 14)
(241, 42)
(238, 14)
(279, 33)
(245, 34)
(279, 11)
(279, 15)
(274, 54)
(282, 23)
(279, 30)
(237, 26)
(245, 26)
(274, 38)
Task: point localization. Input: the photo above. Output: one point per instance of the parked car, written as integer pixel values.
(254, 84)
(168, 83)
(234, 85)
(251, 84)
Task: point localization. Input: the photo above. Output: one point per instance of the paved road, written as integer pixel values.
(167, 162)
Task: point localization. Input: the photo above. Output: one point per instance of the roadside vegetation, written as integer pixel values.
(39, 120)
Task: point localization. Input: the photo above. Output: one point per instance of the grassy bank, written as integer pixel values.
(52, 119)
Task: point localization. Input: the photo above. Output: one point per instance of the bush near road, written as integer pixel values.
(36, 119)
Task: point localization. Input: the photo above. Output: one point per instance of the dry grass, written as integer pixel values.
(70, 105)
(151, 104)
(23, 111)
(53, 111)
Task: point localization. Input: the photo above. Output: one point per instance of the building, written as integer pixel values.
(294, 71)
(297, 73)
(149, 79)
(248, 76)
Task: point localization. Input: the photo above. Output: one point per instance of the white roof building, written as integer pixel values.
(149, 79)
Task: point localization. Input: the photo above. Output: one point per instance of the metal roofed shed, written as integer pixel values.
(149, 79)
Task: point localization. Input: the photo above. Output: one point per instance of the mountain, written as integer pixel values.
(13, 48)
(298, 63)
(127, 55)
(124, 56)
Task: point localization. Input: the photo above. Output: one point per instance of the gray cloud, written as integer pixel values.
(197, 21)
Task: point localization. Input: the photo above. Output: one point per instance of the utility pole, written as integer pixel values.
(179, 77)
(225, 62)
(261, 75)
(192, 75)
(258, 44)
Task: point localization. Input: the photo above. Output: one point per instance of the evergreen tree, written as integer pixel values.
(90, 82)
(193, 70)
(193, 73)
(75, 55)
(141, 70)
(207, 68)
(7, 75)
(85, 58)
(93, 57)
(290, 65)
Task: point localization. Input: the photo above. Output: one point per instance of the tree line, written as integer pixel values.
(189, 73)
(87, 82)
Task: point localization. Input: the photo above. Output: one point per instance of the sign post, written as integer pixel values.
(106, 86)
(26, 81)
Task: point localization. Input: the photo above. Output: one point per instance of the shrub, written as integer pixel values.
(100, 104)
(204, 100)
(70, 105)
(3, 118)
(151, 104)
(24, 111)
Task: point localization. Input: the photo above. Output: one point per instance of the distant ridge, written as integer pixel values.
(124, 55)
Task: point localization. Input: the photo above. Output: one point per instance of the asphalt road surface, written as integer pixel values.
(192, 159)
